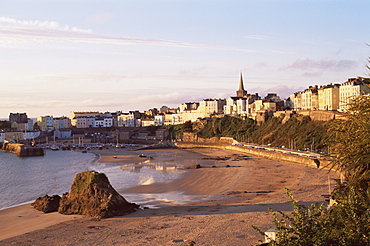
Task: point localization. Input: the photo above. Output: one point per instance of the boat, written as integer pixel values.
(64, 147)
(54, 147)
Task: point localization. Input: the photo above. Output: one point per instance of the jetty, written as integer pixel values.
(22, 150)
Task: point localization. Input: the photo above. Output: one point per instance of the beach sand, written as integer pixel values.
(241, 189)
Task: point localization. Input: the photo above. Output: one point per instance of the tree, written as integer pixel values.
(350, 141)
(348, 221)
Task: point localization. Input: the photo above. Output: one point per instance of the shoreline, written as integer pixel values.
(239, 196)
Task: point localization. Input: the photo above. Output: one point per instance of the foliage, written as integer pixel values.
(187, 126)
(228, 126)
(346, 223)
(350, 139)
(296, 133)
(175, 131)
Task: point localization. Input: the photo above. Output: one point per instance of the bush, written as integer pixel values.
(345, 223)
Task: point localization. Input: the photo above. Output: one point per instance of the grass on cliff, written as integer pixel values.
(296, 133)
(83, 180)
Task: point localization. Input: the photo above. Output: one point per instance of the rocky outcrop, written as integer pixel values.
(46, 203)
(91, 194)
(196, 166)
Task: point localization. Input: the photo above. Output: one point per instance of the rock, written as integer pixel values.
(91, 194)
(194, 166)
(47, 203)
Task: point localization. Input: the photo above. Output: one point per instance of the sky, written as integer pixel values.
(116, 55)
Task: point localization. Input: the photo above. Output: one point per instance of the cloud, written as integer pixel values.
(40, 25)
(332, 65)
(19, 31)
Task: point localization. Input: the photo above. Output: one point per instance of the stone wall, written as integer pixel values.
(321, 115)
(22, 150)
(314, 162)
(192, 137)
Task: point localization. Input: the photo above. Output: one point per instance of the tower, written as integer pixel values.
(241, 92)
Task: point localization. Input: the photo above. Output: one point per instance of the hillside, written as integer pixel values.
(296, 133)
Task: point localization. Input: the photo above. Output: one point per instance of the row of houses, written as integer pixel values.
(333, 97)
(19, 135)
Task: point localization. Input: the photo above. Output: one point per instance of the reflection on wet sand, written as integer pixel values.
(157, 200)
(168, 162)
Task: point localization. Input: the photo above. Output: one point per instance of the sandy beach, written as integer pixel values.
(240, 187)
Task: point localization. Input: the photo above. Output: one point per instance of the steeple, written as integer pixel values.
(241, 92)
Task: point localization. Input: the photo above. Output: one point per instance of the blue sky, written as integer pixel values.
(108, 55)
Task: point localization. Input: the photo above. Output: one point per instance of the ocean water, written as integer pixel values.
(165, 166)
(23, 179)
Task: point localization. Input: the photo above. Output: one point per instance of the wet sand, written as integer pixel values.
(242, 188)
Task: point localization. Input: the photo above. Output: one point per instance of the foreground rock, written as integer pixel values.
(91, 194)
(46, 204)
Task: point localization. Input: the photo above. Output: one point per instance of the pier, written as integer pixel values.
(22, 150)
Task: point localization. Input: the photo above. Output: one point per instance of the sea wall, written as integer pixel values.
(22, 150)
(308, 161)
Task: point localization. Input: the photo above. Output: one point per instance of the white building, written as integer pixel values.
(84, 122)
(350, 89)
(172, 119)
(236, 106)
(103, 122)
(130, 119)
(204, 109)
(159, 120)
(212, 106)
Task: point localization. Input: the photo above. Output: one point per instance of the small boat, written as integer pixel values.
(64, 147)
(54, 147)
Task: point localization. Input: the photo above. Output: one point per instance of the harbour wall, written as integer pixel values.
(308, 161)
(23, 151)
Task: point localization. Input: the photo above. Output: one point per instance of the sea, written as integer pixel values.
(23, 179)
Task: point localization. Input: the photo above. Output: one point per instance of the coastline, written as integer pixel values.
(238, 196)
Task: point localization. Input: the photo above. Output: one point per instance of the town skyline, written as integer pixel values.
(105, 56)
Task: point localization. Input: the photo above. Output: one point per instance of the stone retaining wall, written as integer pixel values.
(22, 150)
(313, 162)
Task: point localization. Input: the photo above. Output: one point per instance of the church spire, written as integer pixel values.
(241, 92)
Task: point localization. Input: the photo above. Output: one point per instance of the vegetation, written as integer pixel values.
(297, 132)
(345, 223)
(348, 221)
(350, 139)
(228, 127)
